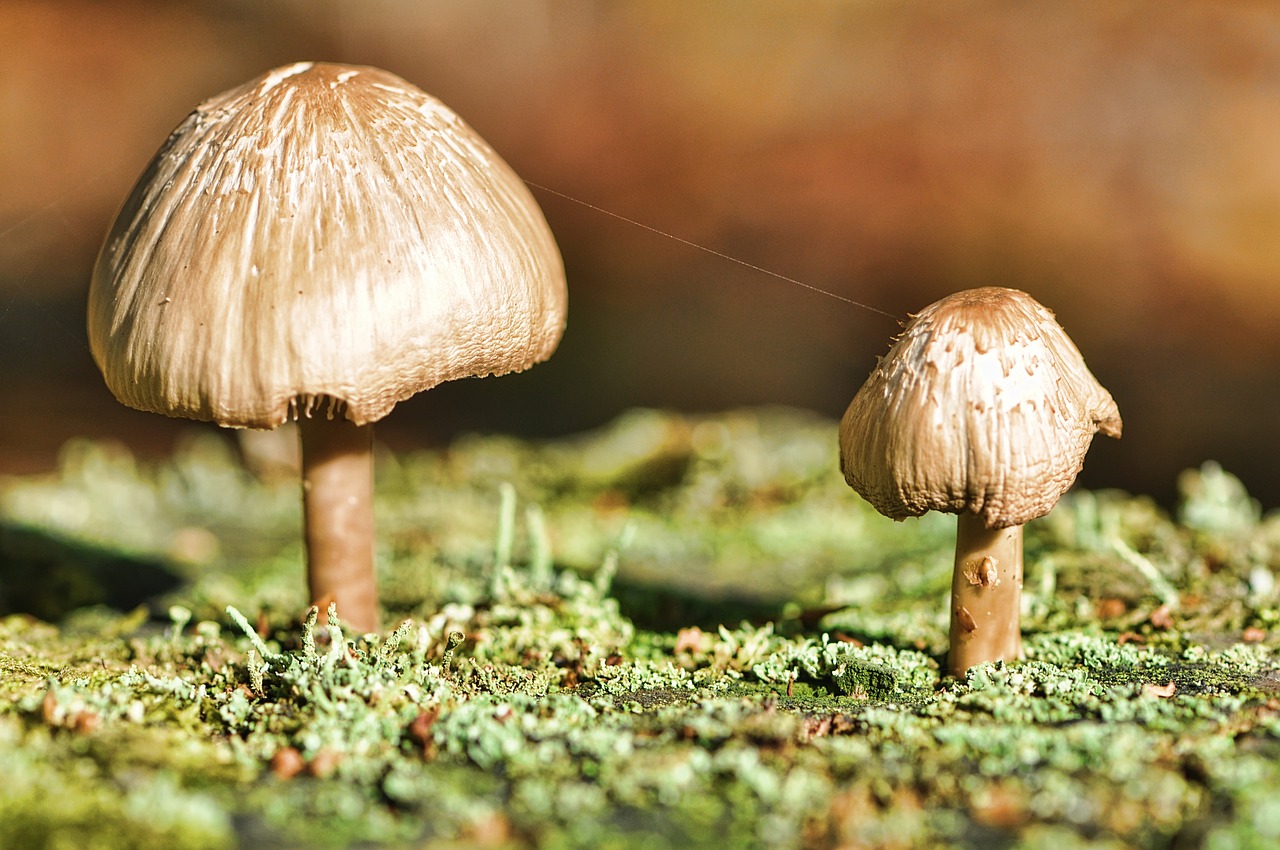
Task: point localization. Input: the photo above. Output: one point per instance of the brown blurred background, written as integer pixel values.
(1118, 160)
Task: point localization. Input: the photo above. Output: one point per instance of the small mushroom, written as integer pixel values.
(984, 408)
(320, 244)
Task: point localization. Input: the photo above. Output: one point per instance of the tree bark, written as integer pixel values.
(986, 595)
(337, 498)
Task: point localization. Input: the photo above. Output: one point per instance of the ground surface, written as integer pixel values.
(676, 632)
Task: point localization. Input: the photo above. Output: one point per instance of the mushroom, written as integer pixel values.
(984, 408)
(319, 244)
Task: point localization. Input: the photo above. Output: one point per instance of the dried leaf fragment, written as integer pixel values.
(691, 639)
(420, 731)
(983, 573)
(287, 763)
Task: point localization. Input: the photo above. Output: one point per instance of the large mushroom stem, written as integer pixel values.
(986, 595)
(337, 503)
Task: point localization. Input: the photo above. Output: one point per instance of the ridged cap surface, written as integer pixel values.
(321, 231)
(983, 404)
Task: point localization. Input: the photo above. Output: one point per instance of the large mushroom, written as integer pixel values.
(320, 244)
(984, 408)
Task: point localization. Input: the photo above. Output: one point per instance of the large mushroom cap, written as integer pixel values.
(983, 404)
(321, 231)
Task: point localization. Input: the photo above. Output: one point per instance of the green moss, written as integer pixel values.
(678, 632)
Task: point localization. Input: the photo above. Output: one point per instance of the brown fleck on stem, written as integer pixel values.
(337, 502)
(986, 595)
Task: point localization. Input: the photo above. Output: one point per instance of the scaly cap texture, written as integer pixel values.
(983, 404)
(324, 231)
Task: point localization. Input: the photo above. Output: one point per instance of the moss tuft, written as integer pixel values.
(677, 632)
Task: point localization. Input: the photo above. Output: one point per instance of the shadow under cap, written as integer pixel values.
(321, 231)
(982, 405)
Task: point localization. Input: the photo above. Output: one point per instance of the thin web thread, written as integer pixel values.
(711, 251)
(50, 208)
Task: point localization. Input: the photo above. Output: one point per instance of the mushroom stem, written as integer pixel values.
(986, 595)
(337, 505)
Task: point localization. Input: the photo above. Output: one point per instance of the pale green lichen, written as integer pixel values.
(679, 632)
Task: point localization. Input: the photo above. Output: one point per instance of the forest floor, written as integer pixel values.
(674, 632)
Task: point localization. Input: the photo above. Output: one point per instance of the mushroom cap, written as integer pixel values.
(323, 231)
(983, 404)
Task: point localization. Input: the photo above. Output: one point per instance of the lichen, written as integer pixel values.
(678, 632)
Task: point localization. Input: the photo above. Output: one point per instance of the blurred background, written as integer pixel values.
(1118, 160)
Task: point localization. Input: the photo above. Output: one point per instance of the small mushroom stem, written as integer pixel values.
(337, 502)
(986, 595)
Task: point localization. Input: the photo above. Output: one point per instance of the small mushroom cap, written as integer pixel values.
(983, 404)
(321, 231)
